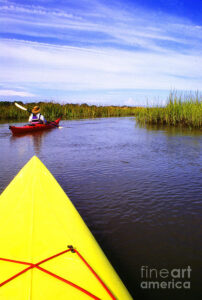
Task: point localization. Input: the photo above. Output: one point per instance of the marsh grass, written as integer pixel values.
(51, 111)
(183, 111)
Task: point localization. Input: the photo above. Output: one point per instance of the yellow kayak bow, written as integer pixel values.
(47, 252)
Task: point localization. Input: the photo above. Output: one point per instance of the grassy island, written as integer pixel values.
(180, 111)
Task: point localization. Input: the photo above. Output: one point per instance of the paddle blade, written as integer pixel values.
(20, 106)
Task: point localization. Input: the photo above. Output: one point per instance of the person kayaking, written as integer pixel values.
(36, 117)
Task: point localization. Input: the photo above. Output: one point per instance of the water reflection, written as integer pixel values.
(171, 130)
(33, 140)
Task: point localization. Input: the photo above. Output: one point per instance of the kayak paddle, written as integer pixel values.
(22, 107)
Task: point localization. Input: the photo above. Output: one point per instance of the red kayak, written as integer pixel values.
(34, 127)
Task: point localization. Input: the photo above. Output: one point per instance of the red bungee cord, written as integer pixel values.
(37, 265)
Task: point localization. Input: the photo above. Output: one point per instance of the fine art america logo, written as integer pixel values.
(178, 278)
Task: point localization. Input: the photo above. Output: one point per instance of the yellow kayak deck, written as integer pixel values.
(47, 252)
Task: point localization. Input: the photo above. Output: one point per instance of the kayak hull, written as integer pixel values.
(34, 127)
(47, 252)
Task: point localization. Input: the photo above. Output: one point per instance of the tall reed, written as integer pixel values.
(179, 111)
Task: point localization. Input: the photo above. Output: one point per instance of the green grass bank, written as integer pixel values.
(183, 111)
(51, 111)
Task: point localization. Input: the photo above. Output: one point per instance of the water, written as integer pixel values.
(138, 190)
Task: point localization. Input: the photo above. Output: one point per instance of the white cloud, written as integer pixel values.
(130, 102)
(84, 68)
(117, 25)
(15, 93)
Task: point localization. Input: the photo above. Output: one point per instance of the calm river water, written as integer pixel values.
(138, 190)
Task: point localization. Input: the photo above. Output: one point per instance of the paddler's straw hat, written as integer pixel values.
(36, 110)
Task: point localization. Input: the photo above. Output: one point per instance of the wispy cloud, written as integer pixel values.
(82, 68)
(137, 28)
(94, 45)
(15, 93)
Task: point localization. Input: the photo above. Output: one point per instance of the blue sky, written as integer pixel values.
(99, 52)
